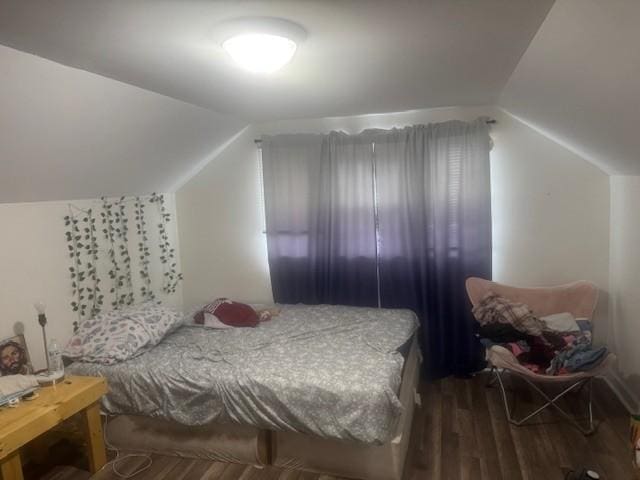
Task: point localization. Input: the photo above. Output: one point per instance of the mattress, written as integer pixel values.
(355, 460)
(330, 371)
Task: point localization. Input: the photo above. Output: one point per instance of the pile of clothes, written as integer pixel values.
(553, 345)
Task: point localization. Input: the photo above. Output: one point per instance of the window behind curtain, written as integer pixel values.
(395, 218)
(297, 240)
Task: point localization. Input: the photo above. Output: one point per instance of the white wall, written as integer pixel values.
(35, 267)
(550, 208)
(222, 244)
(550, 214)
(70, 134)
(578, 81)
(624, 330)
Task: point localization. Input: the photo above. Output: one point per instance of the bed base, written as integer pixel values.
(253, 446)
(215, 442)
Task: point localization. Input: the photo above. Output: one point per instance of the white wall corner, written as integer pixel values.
(564, 144)
(193, 172)
(624, 394)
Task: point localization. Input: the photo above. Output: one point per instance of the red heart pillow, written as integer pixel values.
(230, 313)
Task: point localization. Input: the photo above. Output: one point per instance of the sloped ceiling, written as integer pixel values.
(579, 81)
(163, 98)
(70, 134)
(361, 56)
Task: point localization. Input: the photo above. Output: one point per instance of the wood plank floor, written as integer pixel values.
(461, 434)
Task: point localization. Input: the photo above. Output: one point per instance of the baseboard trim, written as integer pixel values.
(626, 396)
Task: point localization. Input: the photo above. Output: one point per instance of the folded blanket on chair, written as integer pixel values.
(496, 309)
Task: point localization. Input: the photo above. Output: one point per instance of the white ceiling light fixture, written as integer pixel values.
(260, 44)
(260, 52)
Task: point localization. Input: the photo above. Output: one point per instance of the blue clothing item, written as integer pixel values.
(581, 357)
(584, 358)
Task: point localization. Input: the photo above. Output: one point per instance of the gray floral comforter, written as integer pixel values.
(332, 371)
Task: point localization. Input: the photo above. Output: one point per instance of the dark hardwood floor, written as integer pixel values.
(465, 435)
(461, 434)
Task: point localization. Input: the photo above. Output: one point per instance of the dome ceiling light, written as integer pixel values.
(260, 44)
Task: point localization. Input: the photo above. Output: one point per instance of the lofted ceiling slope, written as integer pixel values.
(578, 81)
(361, 56)
(68, 134)
(162, 98)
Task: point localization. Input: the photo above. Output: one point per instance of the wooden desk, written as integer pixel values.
(54, 404)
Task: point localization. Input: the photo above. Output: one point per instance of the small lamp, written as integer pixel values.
(42, 320)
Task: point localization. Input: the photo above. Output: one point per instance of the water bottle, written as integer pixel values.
(56, 367)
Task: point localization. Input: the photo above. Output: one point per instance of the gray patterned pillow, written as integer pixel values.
(119, 335)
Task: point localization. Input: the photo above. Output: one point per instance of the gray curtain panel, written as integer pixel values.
(395, 218)
(434, 231)
(319, 208)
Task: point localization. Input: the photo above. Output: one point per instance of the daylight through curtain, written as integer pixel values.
(398, 218)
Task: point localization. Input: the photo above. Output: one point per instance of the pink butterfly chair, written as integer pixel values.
(579, 299)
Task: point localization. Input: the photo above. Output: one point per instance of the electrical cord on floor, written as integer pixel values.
(119, 458)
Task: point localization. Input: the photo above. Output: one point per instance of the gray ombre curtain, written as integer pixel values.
(319, 208)
(434, 230)
(394, 218)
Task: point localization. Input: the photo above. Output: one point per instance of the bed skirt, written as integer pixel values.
(253, 446)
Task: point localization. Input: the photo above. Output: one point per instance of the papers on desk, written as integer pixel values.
(14, 387)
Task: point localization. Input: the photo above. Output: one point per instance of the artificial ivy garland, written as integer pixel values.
(146, 292)
(171, 277)
(114, 222)
(83, 251)
(94, 295)
(86, 255)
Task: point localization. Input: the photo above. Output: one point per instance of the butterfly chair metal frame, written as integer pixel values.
(579, 299)
(576, 386)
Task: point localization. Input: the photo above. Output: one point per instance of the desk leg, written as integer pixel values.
(94, 438)
(11, 467)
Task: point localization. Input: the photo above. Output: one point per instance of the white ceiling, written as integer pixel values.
(66, 133)
(69, 134)
(579, 81)
(361, 56)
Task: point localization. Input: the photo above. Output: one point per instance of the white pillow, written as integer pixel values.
(561, 322)
(119, 335)
(211, 321)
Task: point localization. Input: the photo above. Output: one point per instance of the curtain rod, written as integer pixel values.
(490, 121)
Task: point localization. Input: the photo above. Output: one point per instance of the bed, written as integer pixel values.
(295, 391)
